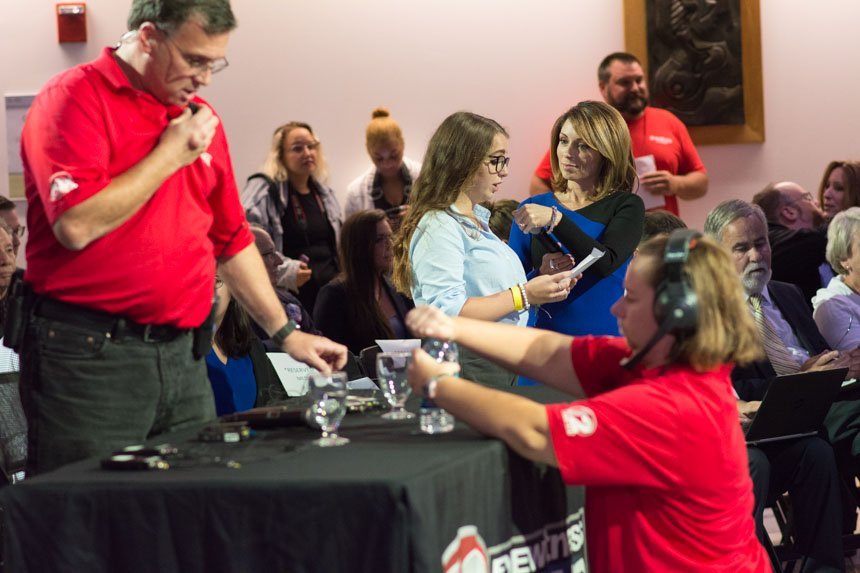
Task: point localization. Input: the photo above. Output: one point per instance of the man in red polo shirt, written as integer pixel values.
(653, 131)
(132, 199)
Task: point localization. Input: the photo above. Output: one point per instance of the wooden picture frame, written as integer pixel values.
(752, 130)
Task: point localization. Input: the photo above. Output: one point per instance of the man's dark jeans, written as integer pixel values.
(86, 393)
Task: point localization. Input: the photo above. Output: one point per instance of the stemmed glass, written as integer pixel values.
(328, 406)
(391, 371)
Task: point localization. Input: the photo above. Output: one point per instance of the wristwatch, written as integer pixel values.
(282, 333)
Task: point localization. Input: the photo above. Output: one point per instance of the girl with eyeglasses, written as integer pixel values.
(445, 254)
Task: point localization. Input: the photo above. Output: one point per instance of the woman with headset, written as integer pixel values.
(656, 438)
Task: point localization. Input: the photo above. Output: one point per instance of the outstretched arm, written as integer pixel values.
(246, 276)
(519, 422)
(538, 354)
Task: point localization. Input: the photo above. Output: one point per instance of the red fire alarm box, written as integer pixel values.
(72, 22)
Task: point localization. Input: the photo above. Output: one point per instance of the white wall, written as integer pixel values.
(330, 62)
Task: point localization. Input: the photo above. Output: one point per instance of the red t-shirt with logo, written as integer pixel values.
(87, 126)
(659, 133)
(664, 459)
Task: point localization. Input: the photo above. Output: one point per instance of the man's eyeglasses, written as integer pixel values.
(198, 63)
(497, 163)
(300, 147)
(19, 231)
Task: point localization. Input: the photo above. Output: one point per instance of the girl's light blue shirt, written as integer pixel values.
(453, 260)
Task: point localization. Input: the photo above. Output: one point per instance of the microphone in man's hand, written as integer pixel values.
(194, 107)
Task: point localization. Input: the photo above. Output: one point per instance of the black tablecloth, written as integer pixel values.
(392, 500)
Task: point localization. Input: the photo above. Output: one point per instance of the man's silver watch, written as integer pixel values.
(282, 333)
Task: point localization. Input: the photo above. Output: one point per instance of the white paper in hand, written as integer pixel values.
(646, 164)
(592, 258)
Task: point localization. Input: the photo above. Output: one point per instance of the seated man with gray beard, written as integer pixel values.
(805, 467)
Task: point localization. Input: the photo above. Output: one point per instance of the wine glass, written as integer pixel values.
(391, 371)
(328, 406)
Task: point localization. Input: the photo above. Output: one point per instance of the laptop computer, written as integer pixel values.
(795, 406)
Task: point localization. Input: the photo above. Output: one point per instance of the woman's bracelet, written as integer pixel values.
(518, 297)
(429, 387)
(522, 289)
(552, 220)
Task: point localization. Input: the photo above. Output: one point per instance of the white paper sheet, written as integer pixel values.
(293, 374)
(592, 258)
(399, 345)
(646, 164)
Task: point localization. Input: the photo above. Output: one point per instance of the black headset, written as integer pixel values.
(676, 306)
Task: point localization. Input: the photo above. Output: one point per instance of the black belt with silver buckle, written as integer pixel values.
(117, 327)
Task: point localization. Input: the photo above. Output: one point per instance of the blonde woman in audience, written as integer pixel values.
(291, 202)
(445, 254)
(840, 187)
(387, 184)
(837, 307)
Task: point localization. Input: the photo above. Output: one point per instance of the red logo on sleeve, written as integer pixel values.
(579, 421)
(61, 185)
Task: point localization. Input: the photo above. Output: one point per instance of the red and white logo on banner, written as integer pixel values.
(467, 553)
(579, 421)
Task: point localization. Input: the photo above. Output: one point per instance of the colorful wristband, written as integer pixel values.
(518, 298)
(554, 220)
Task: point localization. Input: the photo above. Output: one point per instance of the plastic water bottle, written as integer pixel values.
(431, 418)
